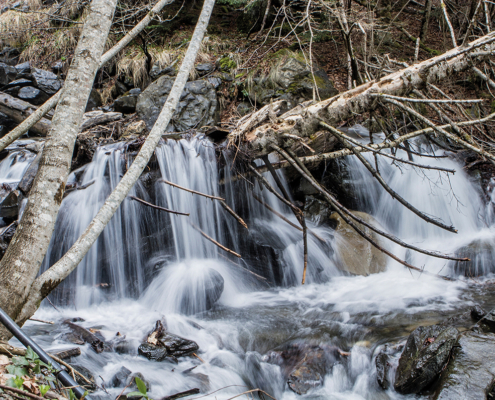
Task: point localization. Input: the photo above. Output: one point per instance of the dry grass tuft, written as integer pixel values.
(15, 27)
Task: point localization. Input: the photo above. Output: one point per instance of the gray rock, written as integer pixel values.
(118, 89)
(425, 354)
(19, 83)
(7, 73)
(197, 106)
(481, 253)
(469, 376)
(32, 95)
(87, 374)
(24, 68)
(355, 254)
(131, 381)
(204, 69)
(477, 312)
(58, 67)
(157, 72)
(135, 92)
(291, 79)
(382, 368)
(46, 81)
(125, 104)
(215, 81)
(9, 206)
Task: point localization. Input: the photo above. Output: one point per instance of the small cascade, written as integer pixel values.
(114, 265)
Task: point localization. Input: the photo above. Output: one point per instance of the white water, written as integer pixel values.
(143, 246)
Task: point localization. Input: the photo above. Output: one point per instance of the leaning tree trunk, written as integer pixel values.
(49, 280)
(22, 261)
(31, 122)
(257, 132)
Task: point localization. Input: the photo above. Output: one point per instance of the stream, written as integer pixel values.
(150, 265)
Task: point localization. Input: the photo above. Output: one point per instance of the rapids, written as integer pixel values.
(146, 263)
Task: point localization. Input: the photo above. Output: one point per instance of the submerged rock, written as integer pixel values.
(356, 255)
(87, 374)
(470, 374)
(382, 368)
(80, 335)
(425, 354)
(210, 290)
(481, 253)
(197, 106)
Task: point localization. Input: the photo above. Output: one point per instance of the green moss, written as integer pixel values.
(227, 64)
(492, 105)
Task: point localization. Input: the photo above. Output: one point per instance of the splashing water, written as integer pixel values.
(159, 265)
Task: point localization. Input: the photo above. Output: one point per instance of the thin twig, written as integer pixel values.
(215, 242)
(190, 190)
(157, 207)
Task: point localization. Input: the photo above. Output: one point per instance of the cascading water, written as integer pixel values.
(160, 265)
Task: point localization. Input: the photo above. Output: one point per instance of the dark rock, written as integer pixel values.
(155, 353)
(46, 81)
(7, 74)
(157, 72)
(168, 347)
(120, 378)
(58, 67)
(24, 68)
(32, 95)
(94, 100)
(87, 374)
(135, 92)
(204, 69)
(425, 355)
(124, 347)
(9, 207)
(304, 366)
(125, 104)
(469, 375)
(19, 83)
(477, 312)
(197, 106)
(131, 382)
(118, 89)
(6, 235)
(382, 368)
(79, 334)
(489, 321)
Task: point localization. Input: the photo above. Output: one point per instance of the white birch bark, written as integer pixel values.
(257, 134)
(60, 270)
(31, 121)
(21, 262)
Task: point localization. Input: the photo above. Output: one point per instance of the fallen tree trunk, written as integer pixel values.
(18, 110)
(255, 133)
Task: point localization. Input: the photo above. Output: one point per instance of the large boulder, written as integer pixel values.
(355, 254)
(425, 355)
(291, 78)
(202, 297)
(197, 106)
(481, 253)
(470, 374)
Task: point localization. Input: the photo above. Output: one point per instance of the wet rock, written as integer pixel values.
(87, 374)
(304, 366)
(481, 253)
(212, 289)
(118, 89)
(155, 353)
(120, 378)
(197, 106)
(6, 235)
(32, 95)
(80, 335)
(382, 367)
(469, 375)
(356, 255)
(94, 100)
(125, 104)
(19, 83)
(488, 322)
(46, 81)
(316, 210)
(7, 74)
(157, 72)
(477, 312)
(9, 207)
(131, 381)
(425, 355)
(124, 347)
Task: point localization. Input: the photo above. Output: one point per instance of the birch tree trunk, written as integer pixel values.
(37, 115)
(49, 280)
(22, 261)
(257, 132)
